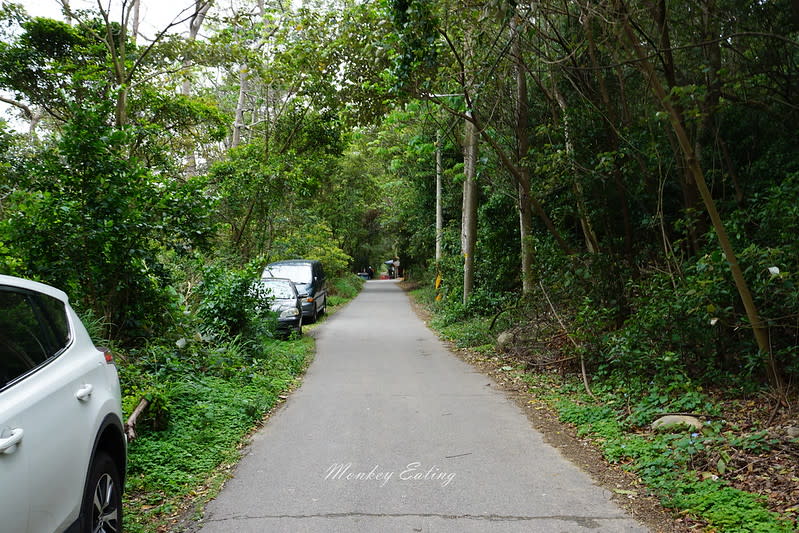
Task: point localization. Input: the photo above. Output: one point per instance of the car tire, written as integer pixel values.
(315, 314)
(102, 503)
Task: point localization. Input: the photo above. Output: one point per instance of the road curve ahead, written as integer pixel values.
(390, 432)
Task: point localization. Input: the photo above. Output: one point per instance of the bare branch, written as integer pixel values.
(25, 109)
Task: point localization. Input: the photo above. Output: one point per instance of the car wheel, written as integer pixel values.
(102, 503)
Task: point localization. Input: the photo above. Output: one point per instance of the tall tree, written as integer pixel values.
(522, 149)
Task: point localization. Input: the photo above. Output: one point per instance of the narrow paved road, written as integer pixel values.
(392, 433)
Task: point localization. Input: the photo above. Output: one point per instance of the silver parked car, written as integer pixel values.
(285, 301)
(62, 442)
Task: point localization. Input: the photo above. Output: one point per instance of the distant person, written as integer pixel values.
(395, 268)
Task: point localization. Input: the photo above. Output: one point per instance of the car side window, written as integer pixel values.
(33, 329)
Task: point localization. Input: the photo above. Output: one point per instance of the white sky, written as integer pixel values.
(153, 14)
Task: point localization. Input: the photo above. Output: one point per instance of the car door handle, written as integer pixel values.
(9, 444)
(84, 393)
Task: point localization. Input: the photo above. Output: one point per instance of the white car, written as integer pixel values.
(62, 441)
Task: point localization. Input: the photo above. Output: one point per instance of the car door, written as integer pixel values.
(46, 408)
(65, 430)
(15, 449)
(14, 487)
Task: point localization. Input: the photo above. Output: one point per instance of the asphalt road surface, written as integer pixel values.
(390, 432)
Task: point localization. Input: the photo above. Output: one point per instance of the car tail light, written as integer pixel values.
(109, 357)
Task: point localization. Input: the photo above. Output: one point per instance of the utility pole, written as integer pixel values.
(439, 209)
(469, 215)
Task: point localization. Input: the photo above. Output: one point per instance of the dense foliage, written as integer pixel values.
(624, 241)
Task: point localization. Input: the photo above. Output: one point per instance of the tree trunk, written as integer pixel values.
(691, 201)
(469, 210)
(732, 171)
(67, 10)
(133, 419)
(116, 42)
(122, 107)
(517, 175)
(201, 8)
(513, 169)
(591, 241)
(244, 77)
(613, 136)
(706, 131)
(134, 21)
(238, 121)
(33, 116)
(522, 147)
(660, 15)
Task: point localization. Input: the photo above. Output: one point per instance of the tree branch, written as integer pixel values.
(25, 109)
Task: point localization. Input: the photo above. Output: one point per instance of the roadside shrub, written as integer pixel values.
(206, 397)
(467, 333)
(673, 395)
(87, 217)
(449, 312)
(208, 414)
(228, 304)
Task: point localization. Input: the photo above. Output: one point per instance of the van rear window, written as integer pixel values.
(296, 273)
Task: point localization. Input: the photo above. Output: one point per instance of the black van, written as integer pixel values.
(309, 279)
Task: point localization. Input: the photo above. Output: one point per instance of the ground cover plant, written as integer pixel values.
(697, 473)
(205, 400)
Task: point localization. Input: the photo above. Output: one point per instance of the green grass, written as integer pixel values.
(425, 294)
(468, 333)
(346, 287)
(343, 289)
